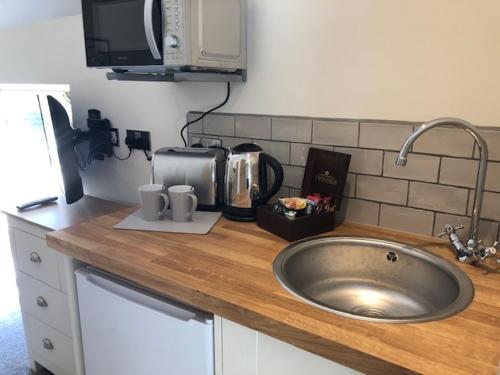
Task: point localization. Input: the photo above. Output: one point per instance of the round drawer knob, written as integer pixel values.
(42, 302)
(35, 258)
(47, 344)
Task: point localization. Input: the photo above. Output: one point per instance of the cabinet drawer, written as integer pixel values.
(36, 259)
(45, 303)
(51, 345)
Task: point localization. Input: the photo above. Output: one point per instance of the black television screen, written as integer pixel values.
(64, 154)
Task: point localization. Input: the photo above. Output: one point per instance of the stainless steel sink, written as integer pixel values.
(374, 280)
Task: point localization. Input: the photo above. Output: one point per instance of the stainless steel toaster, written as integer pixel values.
(202, 168)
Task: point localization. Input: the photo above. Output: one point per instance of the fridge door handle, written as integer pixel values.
(148, 28)
(139, 298)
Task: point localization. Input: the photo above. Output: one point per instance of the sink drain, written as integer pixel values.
(392, 256)
(368, 311)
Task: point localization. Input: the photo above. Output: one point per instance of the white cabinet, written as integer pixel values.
(34, 258)
(244, 351)
(44, 303)
(47, 296)
(50, 347)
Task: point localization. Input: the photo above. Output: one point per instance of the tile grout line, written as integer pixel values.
(408, 194)
(355, 183)
(468, 202)
(356, 187)
(439, 170)
(359, 134)
(312, 131)
(434, 215)
(383, 162)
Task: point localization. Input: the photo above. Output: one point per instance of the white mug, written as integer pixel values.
(183, 202)
(154, 201)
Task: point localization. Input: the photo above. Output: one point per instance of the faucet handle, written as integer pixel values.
(450, 229)
(492, 250)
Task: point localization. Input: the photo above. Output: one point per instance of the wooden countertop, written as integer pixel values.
(229, 272)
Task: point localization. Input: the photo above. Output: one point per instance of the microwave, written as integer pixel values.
(165, 35)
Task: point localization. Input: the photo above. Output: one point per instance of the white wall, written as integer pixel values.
(401, 60)
(21, 12)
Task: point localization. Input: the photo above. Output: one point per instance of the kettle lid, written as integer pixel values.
(246, 147)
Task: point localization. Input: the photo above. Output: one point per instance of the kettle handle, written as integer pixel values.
(275, 165)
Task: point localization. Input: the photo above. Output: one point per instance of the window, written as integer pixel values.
(28, 170)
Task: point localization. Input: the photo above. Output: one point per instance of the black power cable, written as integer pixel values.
(148, 157)
(130, 149)
(206, 113)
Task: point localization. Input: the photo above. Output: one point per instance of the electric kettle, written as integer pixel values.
(245, 181)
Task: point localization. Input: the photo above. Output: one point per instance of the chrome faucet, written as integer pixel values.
(473, 250)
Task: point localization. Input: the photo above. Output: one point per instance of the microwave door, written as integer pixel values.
(122, 33)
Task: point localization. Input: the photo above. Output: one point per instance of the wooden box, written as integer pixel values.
(326, 174)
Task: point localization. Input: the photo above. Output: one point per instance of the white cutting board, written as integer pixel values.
(202, 223)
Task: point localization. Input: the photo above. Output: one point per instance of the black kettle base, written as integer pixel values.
(239, 218)
(239, 214)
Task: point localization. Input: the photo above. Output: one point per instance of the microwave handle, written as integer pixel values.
(148, 28)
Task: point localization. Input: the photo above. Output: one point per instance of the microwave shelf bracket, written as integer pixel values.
(239, 75)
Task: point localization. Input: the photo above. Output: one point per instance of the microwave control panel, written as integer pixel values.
(174, 32)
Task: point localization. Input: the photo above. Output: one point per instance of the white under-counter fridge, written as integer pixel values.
(127, 330)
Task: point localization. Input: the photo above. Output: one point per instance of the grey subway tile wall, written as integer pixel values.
(458, 172)
(382, 189)
(493, 177)
(442, 198)
(383, 136)
(364, 161)
(435, 188)
(300, 151)
(407, 219)
(293, 176)
(491, 206)
(196, 127)
(350, 186)
(445, 141)
(218, 125)
(291, 129)
(278, 150)
(420, 167)
(493, 140)
(360, 211)
(346, 133)
(253, 127)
